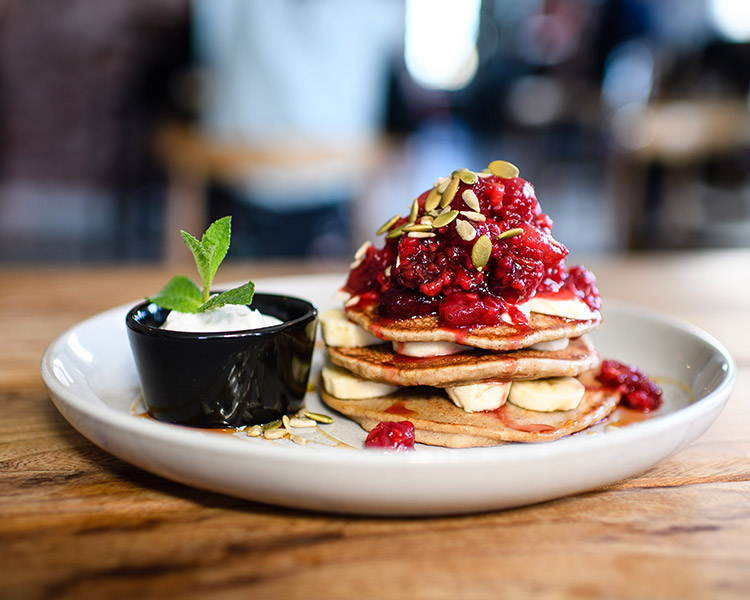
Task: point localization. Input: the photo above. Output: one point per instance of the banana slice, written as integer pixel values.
(570, 309)
(426, 349)
(339, 331)
(547, 395)
(551, 345)
(347, 386)
(475, 397)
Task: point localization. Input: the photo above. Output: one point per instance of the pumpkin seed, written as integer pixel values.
(414, 211)
(480, 253)
(470, 199)
(421, 234)
(504, 169)
(272, 425)
(325, 419)
(468, 177)
(450, 192)
(465, 230)
(433, 200)
(388, 224)
(394, 233)
(474, 216)
(444, 219)
(509, 233)
(417, 227)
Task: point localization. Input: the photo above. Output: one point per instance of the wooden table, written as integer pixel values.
(78, 523)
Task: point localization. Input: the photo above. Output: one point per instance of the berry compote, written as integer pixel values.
(391, 435)
(637, 390)
(472, 249)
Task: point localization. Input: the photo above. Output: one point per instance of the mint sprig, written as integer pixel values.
(183, 295)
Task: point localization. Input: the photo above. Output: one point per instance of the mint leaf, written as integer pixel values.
(216, 243)
(202, 261)
(239, 295)
(183, 295)
(180, 294)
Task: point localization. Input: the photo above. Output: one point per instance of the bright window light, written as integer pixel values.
(441, 42)
(731, 19)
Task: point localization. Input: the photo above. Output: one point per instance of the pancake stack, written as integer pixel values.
(475, 346)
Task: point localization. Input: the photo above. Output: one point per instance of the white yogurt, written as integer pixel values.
(230, 317)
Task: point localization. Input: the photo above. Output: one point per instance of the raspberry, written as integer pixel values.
(391, 435)
(583, 283)
(637, 390)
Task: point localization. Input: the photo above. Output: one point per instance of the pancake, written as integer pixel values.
(541, 328)
(438, 422)
(380, 363)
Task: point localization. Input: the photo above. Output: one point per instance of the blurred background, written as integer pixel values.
(313, 121)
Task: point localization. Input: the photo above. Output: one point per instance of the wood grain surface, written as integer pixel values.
(76, 522)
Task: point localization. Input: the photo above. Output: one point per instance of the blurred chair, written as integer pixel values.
(668, 169)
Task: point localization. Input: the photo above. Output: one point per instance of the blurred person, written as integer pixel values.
(304, 84)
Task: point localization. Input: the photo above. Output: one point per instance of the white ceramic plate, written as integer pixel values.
(91, 378)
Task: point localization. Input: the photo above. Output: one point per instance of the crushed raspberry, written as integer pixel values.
(462, 309)
(416, 276)
(637, 390)
(583, 283)
(391, 435)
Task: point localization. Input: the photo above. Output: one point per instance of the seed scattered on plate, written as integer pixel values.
(301, 422)
(480, 253)
(504, 169)
(272, 425)
(255, 431)
(275, 434)
(325, 419)
(298, 439)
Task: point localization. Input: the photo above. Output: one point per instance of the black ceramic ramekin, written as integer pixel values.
(226, 379)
